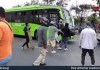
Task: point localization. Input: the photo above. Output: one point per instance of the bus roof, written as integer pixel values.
(32, 7)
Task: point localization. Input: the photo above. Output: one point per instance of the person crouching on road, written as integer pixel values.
(65, 35)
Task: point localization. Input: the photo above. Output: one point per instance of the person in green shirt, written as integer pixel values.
(51, 36)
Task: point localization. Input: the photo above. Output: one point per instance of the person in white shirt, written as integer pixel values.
(88, 42)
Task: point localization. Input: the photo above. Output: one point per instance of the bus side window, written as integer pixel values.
(27, 17)
(31, 17)
(12, 17)
(16, 16)
(23, 16)
(8, 17)
(43, 13)
(19, 17)
(36, 17)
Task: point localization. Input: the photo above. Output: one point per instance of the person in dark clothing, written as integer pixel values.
(26, 31)
(60, 26)
(65, 35)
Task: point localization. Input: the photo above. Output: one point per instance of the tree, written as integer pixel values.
(27, 4)
(59, 3)
(62, 2)
(81, 10)
(98, 3)
(34, 2)
(17, 6)
(77, 9)
(48, 1)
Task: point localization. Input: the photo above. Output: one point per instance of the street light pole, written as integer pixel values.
(98, 2)
(76, 7)
(47, 2)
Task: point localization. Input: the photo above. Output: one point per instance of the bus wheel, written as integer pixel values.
(35, 35)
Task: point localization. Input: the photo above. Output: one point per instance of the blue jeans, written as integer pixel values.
(64, 41)
(5, 61)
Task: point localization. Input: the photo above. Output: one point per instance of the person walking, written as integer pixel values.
(42, 44)
(51, 36)
(88, 42)
(6, 39)
(65, 35)
(26, 31)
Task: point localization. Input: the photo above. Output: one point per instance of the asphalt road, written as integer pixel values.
(71, 57)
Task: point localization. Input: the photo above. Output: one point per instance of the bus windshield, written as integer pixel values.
(68, 18)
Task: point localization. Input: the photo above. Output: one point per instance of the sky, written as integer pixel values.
(77, 2)
(10, 3)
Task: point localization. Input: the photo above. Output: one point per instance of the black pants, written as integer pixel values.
(26, 43)
(91, 54)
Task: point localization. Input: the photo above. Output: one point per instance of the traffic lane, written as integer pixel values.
(72, 57)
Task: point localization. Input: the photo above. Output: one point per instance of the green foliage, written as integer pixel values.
(17, 6)
(76, 9)
(97, 19)
(98, 2)
(48, 1)
(81, 7)
(76, 20)
(79, 20)
(85, 6)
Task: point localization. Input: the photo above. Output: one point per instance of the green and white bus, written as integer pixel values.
(19, 15)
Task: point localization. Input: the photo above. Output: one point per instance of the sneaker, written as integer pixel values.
(42, 64)
(22, 48)
(92, 65)
(35, 65)
(53, 51)
(46, 50)
(82, 65)
(59, 48)
(65, 49)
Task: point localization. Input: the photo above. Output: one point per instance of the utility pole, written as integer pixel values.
(98, 3)
(76, 7)
(47, 2)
